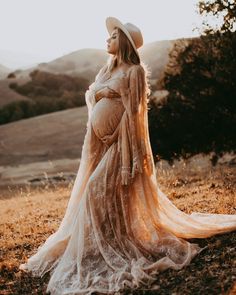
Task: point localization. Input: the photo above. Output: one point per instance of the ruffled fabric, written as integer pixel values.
(136, 154)
(119, 229)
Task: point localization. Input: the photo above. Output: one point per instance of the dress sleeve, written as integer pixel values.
(130, 141)
(90, 93)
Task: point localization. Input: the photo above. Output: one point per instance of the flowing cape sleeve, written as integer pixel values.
(133, 140)
(93, 88)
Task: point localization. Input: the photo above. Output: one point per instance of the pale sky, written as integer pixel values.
(46, 29)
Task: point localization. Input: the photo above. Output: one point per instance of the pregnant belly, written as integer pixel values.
(106, 116)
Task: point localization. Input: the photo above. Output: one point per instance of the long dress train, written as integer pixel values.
(119, 228)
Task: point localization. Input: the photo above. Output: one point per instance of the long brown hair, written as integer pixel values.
(127, 54)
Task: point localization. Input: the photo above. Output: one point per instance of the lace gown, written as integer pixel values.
(119, 228)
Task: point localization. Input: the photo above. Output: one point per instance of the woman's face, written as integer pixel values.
(112, 42)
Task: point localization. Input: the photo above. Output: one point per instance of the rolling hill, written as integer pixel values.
(55, 135)
(8, 95)
(4, 71)
(87, 62)
(48, 143)
(84, 62)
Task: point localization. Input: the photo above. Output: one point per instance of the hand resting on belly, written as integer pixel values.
(106, 92)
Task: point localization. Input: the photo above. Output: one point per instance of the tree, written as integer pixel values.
(11, 75)
(199, 114)
(223, 10)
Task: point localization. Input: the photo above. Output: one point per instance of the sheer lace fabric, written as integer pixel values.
(119, 229)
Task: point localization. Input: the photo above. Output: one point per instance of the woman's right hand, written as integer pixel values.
(106, 92)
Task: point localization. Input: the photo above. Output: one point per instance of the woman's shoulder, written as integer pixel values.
(135, 68)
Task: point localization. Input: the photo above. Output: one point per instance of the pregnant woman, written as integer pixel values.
(119, 230)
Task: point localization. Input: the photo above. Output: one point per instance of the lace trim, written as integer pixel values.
(125, 175)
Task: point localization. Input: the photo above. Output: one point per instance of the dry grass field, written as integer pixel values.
(29, 214)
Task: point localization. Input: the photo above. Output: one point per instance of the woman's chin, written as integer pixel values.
(110, 52)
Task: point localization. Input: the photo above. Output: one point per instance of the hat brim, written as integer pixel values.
(112, 22)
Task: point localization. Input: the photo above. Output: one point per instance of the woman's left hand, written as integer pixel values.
(110, 138)
(106, 92)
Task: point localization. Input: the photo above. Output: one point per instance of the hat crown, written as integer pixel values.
(135, 34)
(131, 31)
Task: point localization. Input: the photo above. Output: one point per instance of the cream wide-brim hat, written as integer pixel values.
(132, 32)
